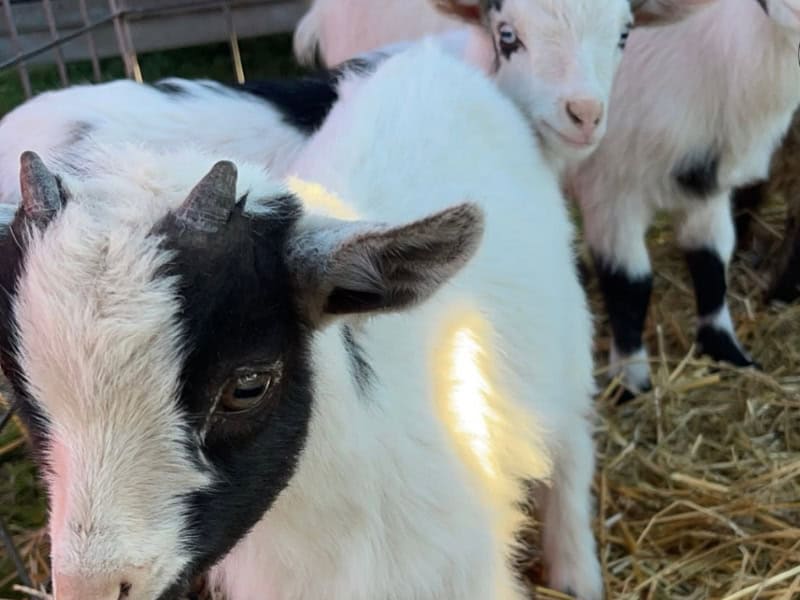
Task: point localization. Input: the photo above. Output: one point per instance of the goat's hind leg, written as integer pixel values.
(707, 237)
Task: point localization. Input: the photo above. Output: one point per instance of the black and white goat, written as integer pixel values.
(555, 59)
(315, 407)
(697, 109)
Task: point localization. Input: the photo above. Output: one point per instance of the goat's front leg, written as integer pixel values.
(707, 238)
(570, 553)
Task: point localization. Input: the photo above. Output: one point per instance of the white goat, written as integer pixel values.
(697, 109)
(463, 145)
(202, 383)
(555, 58)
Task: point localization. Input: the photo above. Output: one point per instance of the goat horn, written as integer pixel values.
(41, 193)
(208, 206)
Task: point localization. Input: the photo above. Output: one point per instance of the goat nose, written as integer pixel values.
(104, 587)
(586, 113)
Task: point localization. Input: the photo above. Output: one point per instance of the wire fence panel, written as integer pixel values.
(61, 31)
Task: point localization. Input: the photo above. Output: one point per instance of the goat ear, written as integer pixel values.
(662, 12)
(355, 267)
(470, 11)
(43, 194)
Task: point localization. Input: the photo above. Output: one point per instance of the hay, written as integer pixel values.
(698, 482)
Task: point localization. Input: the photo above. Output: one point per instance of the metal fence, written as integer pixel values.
(62, 31)
(58, 32)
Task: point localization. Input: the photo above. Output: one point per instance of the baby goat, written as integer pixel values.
(203, 385)
(697, 109)
(556, 60)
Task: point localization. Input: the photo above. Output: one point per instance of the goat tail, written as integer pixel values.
(306, 40)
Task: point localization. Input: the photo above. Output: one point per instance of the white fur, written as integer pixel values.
(571, 50)
(726, 77)
(422, 134)
(209, 115)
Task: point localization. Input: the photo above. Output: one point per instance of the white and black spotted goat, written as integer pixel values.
(204, 390)
(555, 58)
(697, 109)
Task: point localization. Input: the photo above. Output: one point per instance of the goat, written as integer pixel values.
(536, 306)
(689, 121)
(202, 386)
(263, 122)
(555, 59)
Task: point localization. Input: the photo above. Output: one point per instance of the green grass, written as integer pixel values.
(22, 502)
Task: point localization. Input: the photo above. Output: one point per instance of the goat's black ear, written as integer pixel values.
(43, 194)
(354, 267)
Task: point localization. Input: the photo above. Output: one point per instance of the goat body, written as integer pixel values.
(690, 120)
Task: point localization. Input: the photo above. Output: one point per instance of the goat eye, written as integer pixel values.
(623, 38)
(509, 42)
(244, 391)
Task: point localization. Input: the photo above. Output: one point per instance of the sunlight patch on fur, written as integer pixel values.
(317, 198)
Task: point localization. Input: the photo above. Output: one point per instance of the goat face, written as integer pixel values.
(557, 59)
(163, 366)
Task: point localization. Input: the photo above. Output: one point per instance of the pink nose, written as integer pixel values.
(586, 114)
(116, 586)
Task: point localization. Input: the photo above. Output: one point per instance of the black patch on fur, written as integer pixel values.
(626, 302)
(239, 310)
(79, 132)
(305, 102)
(720, 346)
(697, 174)
(13, 242)
(359, 365)
(708, 276)
(763, 4)
(626, 395)
(746, 201)
(170, 88)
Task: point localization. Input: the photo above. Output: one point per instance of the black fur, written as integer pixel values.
(719, 345)
(763, 4)
(708, 276)
(170, 88)
(359, 365)
(239, 311)
(710, 286)
(13, 241)
(305, 102)
(746, 201)
(697, 174)
(626, 302)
